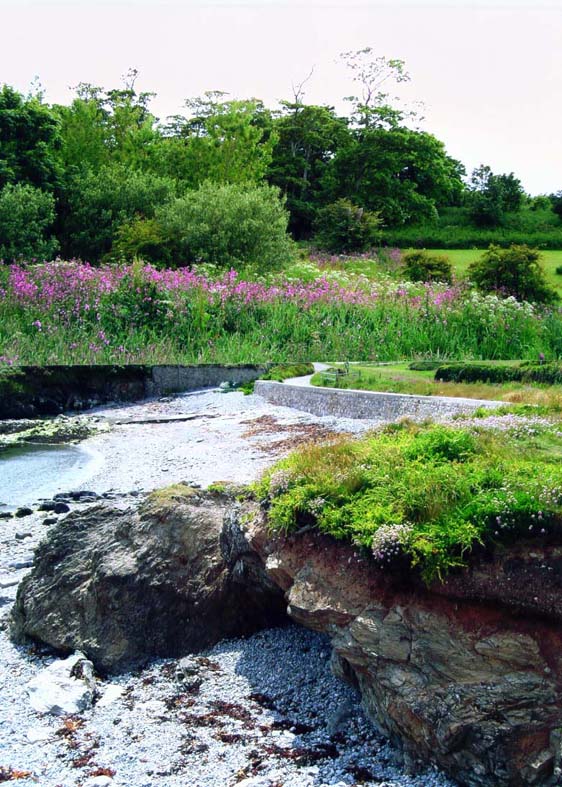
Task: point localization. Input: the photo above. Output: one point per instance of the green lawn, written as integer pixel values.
(398, 378)
(461, 259)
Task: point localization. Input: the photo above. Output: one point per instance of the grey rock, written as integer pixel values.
(61, 508)
(65, 687)
(5, 515)
(22, 512)
(161, 579)
(20, 536)
(50, 520)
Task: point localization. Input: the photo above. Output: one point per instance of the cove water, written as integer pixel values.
(32, 472)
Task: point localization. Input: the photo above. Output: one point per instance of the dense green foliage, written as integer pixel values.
(227, 226)
(420, 496)
(343, 227)
(423, 266)
(515, 272)
(112, 168)
(26, 217)
(548, 373)
(72, 313)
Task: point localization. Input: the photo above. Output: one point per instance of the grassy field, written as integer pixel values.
(461, 259)
(398, 378)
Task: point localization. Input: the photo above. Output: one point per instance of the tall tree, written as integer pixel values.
(309, 137)
(28, 139)
(402, 174)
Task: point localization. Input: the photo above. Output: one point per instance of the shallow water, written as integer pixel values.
(31, 472)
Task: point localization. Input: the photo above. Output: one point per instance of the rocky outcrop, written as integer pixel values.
(124, 584)
(466, 674)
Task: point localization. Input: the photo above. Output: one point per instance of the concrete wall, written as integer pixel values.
(366, 404)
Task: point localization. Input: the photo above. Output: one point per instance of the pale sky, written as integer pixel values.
(488, 71)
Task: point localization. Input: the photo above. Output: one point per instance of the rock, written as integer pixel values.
(61, 508)
(466, 674)
(20, 536)
(98, 781)
(24, 511)
(5, 515)
(50, 520)
(83, 496)
(23, 562)
(38, 734)
(110, 695)
(171, 576)
(65, 687)
(47, 505)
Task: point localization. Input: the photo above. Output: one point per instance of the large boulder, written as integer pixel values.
(172, 576)
(465, 674)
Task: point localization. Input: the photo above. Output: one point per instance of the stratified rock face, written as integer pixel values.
(167, 578)
(465, 680)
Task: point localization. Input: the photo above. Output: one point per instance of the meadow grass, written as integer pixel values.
(68, 313)
(399, 378)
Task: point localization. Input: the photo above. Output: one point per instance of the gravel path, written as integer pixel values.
(258, 712)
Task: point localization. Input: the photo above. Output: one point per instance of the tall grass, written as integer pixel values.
(72, 313)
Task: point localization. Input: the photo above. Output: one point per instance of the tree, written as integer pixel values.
(400, 173)
(308, 138)
(373, 107)
(26, 216)
(493, 196)
(516, 271)
(228, 225)
(28, 140)
(99, 202)
(556, 200)
(221, 141)
(343, 227)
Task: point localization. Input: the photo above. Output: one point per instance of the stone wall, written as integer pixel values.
(30, 391)
(366, 404)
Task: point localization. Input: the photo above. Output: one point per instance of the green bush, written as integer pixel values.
(547, 373)
(344, 227)
(228, 226)
(424, 366)
(423, 266)
(100, 203)
(513, 272)
(423, 496)
(26, 216)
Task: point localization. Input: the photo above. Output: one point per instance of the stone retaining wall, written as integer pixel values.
(366, 404)
(29, 391)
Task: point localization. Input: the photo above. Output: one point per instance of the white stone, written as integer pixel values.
(98, 781)
(255, 781)
(110, 695)
(65, 687)
(38, 734)
(153, 708)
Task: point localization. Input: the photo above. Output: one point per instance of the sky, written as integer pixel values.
(489, 72)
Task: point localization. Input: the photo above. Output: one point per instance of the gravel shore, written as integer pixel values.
(258, 712)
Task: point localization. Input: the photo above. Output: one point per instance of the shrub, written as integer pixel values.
(343, 227)
(422, 495)
(547, 373)
(228, 226)
(558, 270)
(26, 215)
(422, 266)
(99, 203)
(515, 271)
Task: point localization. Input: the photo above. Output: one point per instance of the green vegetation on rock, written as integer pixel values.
(422, 495)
